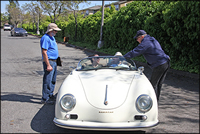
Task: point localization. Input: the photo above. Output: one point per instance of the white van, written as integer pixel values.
(7, 27)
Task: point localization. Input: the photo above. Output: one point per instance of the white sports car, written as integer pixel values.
(106, 93)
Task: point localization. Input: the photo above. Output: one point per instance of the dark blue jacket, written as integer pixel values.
(151, 50)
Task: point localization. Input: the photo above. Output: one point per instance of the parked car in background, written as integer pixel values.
(18, 32)
(112, 95)
(7, 27)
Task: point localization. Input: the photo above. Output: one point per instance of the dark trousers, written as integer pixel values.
(158, 77)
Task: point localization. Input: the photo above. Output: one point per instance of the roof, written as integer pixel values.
(97, 7)
(93, 8)
(119, 2)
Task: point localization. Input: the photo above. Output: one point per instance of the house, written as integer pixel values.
(90, 10)
(94, 9)
(118, 4)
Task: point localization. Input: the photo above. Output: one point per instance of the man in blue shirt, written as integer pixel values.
(159, 62)
(49, 51)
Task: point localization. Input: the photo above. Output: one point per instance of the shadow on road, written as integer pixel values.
(42, 122)
(22, 37)
(20, 97)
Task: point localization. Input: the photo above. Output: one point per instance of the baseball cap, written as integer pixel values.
(51, 27)
(140, 32)
(118, 54)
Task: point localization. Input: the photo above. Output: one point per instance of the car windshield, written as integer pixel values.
(18, 29)
(7, 25)
(106, 62)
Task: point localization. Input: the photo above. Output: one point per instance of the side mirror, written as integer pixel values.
(141, 69)
(70, 69)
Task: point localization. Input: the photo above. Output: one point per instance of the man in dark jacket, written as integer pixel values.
(156, 58)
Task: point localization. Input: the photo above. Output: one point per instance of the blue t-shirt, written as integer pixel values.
(49, 43)
(151, 50)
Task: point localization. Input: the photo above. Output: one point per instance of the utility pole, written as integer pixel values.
(100, 42)
(20, 20)
(38, 32)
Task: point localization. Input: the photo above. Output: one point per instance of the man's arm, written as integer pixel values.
(46, 60)
(140, 49)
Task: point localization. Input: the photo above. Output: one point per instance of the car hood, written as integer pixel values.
(111, 86)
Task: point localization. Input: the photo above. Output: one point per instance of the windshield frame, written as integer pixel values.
(6, 25)
(130, 67)
(19, 29)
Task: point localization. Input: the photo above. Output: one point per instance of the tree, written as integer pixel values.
(54, 8)
(4, 18)
(14, 13)
(34, 10)
(74, 7)
(15, 2)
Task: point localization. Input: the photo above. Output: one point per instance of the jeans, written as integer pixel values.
(49, 80)
(158, 77)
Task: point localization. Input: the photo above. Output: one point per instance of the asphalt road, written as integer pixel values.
(21, 88)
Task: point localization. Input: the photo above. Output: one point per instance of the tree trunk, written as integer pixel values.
(33, 27)
(75, 26)
(54, 18)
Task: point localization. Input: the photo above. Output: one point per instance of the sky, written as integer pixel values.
(82, 6)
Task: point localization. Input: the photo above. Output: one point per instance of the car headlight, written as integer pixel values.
(67, 102)
(144, 103)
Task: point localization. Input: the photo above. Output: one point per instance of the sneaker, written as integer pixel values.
(47, 102)
(53, 98)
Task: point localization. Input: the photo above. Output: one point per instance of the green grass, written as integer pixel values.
(32, 33)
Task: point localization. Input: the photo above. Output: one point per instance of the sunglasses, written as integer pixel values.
(138, 37)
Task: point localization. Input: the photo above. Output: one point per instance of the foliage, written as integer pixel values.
(175, 24)
(54, 8)
(121, 29)
(182, 26)
(34, 12)
(166, 21)
(62, 26)
(4, 18)
(90, 26)
(45, 25)
(14, 13)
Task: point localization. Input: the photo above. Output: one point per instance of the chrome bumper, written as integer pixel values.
(125, 126)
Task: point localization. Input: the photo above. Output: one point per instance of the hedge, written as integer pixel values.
(175, 24)
(182, 26)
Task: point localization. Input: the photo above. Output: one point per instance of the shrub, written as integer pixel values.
(182, 26)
